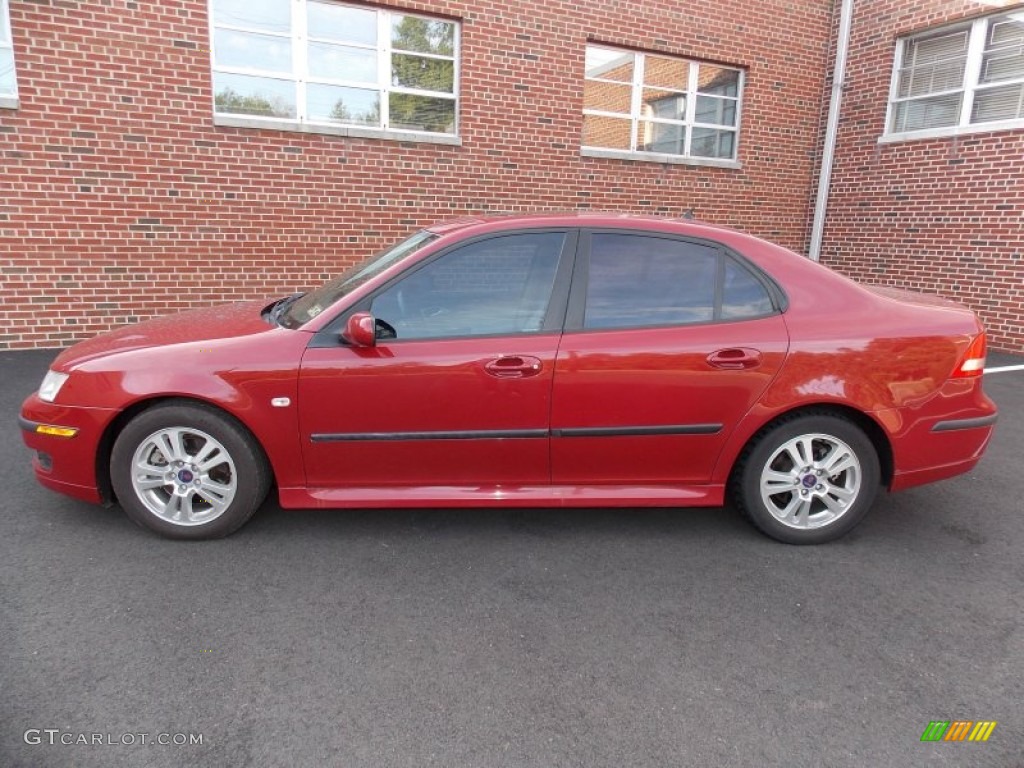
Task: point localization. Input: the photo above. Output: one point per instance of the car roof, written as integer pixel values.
(496, 222)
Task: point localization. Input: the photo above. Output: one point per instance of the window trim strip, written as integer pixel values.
(656, 430)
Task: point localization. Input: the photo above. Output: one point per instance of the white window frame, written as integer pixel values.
(8, 100)
(300, 76)
(970, 85)
(688, 123)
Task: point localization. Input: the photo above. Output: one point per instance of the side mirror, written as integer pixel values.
(361, 330)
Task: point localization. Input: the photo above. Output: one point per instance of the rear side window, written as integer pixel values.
(743, 295)
(637, 281)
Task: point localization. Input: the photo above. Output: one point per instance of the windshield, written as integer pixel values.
(308, 306)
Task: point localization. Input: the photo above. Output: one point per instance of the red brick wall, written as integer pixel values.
(938, 215)
(122, 200)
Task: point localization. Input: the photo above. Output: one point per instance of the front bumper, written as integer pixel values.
(66, 464)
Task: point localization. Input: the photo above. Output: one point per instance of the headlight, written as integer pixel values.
(52, 382)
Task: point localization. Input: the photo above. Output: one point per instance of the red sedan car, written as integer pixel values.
(568, 360)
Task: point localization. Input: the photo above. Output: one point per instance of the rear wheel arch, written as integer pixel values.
(119, 422)
(871, 428)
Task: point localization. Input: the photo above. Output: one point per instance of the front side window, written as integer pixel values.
(8, 82)
(636, 281)
(966, 77)
(311, 304)
(498, 286)
(645, 103)
(326, 63)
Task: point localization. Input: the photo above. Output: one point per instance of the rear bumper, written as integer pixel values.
(937, 448)
(65, 464)
(903, 480)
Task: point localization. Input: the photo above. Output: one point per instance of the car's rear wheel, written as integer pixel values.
(188, 471)
(807, 480)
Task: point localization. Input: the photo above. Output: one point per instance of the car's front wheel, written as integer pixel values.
(187, 471)
(808, 480)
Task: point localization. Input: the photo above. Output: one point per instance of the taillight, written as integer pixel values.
(973, 363)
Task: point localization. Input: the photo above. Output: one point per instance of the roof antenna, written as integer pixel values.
(688, 214)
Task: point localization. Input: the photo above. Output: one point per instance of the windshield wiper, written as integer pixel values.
(282, 306)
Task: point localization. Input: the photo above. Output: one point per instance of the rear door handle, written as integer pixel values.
(735, 358)
(514, 366)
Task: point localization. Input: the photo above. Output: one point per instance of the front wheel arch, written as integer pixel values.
(119, 422)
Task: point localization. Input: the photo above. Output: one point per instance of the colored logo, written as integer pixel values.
(958, 730)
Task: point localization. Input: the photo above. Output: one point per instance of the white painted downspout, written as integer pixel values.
(831, 129)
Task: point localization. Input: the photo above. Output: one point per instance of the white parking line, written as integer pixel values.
(1004, 368)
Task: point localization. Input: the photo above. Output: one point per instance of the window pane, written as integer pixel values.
(711, 109)
(610, 65)
(742, 294)
(931, 78)
(411, 33)
(667, 73)
(608, 97)
(342, 23)
(7, 79)
(252, 51)
(353, 106)
(421, 113)
(1006, 31)
(936, 112)
(718, 80)
(642, 281)
(707, 142)
(930, 50)
(661, 137)
(498, 286)
(340, 62)
(421, 73)
(1003, 64)
(265, 15)
(1003, 103)
(664, 104)
(934, 64)
(246, 95)
(609, 132)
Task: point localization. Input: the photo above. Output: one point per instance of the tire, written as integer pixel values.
(801, 499)
(188, 471)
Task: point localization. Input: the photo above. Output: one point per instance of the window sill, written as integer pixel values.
(291, 126)
(957, 130)
(656, 157)
(8, 102)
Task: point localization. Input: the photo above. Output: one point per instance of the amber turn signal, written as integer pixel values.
(46, 429)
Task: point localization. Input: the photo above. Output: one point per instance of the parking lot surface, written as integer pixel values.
(514, 638)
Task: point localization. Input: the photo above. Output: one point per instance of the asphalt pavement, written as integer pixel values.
(512, 638)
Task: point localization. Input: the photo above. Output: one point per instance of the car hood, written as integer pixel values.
(226, 321)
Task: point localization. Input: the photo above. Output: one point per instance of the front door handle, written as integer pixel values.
(514, 366)
(735, 358)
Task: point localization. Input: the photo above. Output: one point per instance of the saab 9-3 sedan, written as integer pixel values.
(530, 361)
